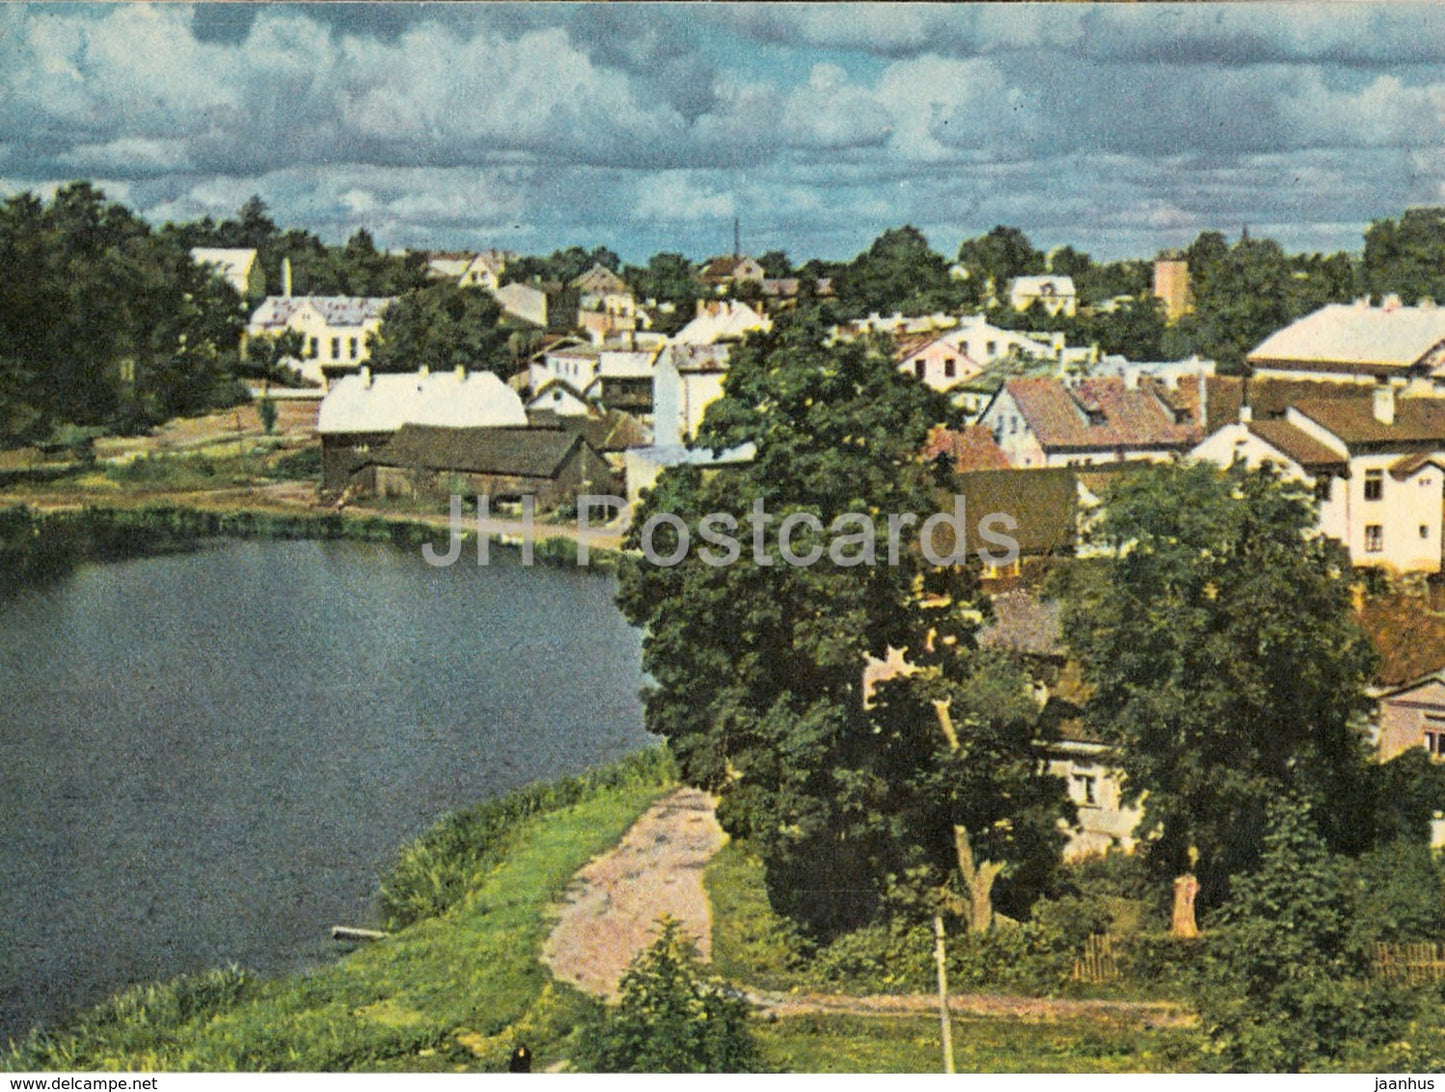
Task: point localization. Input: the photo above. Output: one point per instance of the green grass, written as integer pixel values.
(750, 943)
(878, 1044)
(450, 993)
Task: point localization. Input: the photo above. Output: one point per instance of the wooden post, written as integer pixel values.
(940, 957)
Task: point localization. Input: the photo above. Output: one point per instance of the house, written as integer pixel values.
(506, 464)
(1377, 467)
(334, 328)
(485, 270)
(938, 361)
(687, 380)
(730, 270)
(550, 306)
(1359, 343)
(609, 431)
(1413, 715)
(643, 465)
(362, 412)
(1053, 422)
(237, 266)
(1042, 505)
(600, 282)
(720, 321)
(571, 361)
(624, 378)
(1055, 295)
(444, 265)
(559, 397)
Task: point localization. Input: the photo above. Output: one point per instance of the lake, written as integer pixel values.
(212, 757)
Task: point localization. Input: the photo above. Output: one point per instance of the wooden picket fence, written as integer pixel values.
(1098, 962)
(1410, 963)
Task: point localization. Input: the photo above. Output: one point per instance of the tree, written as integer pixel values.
(1282, 986)
(667, 277)
(775, 264)
(1406, 258)
(1225, 664)
(898, 272)
(671, 1018)
(758, 664)
(442, 327)
(994, 259)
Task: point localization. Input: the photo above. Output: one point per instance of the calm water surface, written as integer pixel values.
(211, 758)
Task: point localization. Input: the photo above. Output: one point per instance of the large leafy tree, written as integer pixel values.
(1407, 257)
(992, 260)
(758, 664)
(442, 327)
(898, 272)
(1225, 664)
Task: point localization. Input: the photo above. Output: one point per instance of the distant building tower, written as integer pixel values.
(1171, 284)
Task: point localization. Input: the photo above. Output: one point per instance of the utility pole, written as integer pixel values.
(737, 239)
(940, 959)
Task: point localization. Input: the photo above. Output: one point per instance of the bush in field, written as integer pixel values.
(1281, 985)
(671, 1018)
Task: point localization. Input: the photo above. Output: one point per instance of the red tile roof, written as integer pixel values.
(971, 448)
(1101, 413)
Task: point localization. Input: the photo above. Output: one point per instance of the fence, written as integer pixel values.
(1098, 962)
(1410, 963)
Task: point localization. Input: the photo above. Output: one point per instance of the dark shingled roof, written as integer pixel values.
(520, 452)
(1417, 420)
(1298, 445)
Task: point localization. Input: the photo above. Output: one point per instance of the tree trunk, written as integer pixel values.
(940, 958)
(978, 878)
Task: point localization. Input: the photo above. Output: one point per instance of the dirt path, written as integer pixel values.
(656, 869)
(610, 909)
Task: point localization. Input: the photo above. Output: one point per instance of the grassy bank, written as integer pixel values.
(451, 992)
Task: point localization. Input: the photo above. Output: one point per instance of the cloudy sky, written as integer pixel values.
(1120, 129)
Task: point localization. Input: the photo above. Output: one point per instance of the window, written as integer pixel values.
(336, 348)
(1374, 538)
(1322, 489)
(920, 367)
(315, 348)
(353, 348)
(1374, 484)
(1424, 530)
(992, 347)
(1086, 789)
(948, 367)
(1435, 742)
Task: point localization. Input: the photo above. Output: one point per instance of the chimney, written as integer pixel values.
(366, 377)
(424, 371)
(1385, 403)
(461, 373)
(1203, 401)
(286, 277)
(1246, 414)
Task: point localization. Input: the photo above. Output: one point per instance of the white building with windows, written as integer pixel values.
(334, 330)
(1377, 467)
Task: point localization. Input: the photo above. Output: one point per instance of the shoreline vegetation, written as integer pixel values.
(453, 989)
(41, 545)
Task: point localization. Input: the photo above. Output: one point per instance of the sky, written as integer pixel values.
(1118, 129)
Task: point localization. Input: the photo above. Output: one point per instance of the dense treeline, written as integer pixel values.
(104, 321)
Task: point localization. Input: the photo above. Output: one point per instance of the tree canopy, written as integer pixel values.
(104, 321)
(759, 664)
(1406, 257)
(442, 327)
(1225, 663)
(898, 272)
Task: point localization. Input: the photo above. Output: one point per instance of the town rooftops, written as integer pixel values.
(1357, 337)
(517, 452)
(366, 403)
(721, 320)
(1102, 413)
(277, 311)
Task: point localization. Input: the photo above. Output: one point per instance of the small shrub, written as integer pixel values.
(672, 1019)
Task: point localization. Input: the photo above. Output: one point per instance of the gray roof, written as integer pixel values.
(519, 452)
(336, 310)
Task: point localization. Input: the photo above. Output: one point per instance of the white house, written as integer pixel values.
(335, 329)
(1055, 295)
(938, 361)
(559, 397)
(721, 320)
(688, 379)
(237, 266)
(484, 271)
(1377, 466)
(1358, 342)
